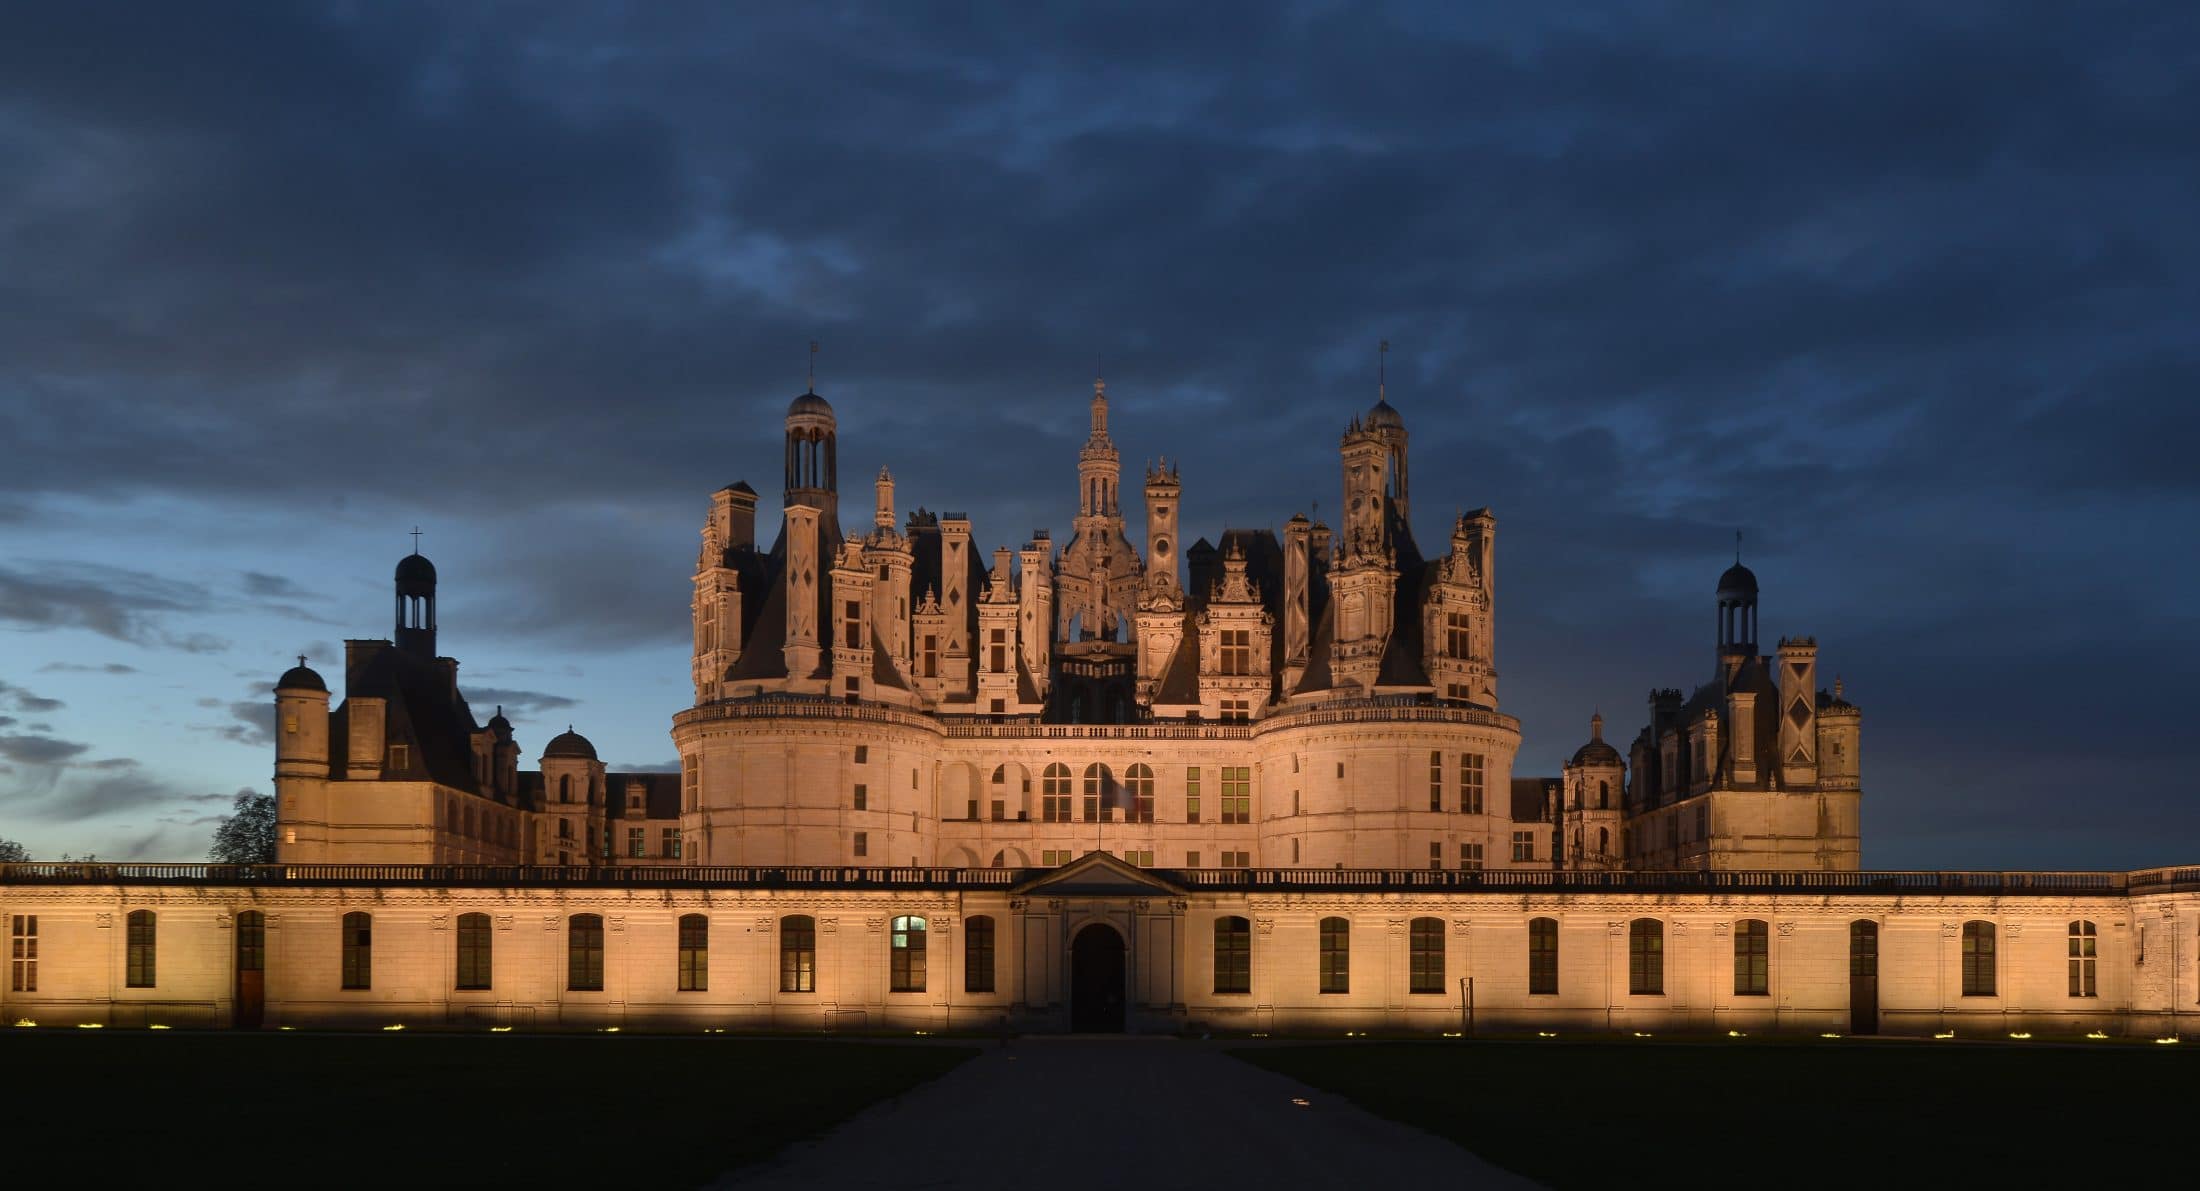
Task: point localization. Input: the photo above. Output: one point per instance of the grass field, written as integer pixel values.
(1771, 1115)
(113, 1108)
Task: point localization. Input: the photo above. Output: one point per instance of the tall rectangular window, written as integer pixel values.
(1646, 957)
(1436, 781)
(668, 840)
(862, 844)
(2083, 940)
(637, 842)
(1191, 794)
(1237, 793)
(931, 656)
(1233, 955)
(473, 951)
(1054, 794)
(1455, 635)
(143, 942)
(1978, 959)
(694, 953)
(691, 781)
(906, 954)
(1336, 956)
(1436, 854)
(997, 648)
(851, 624)
(862, 796)
(1752, 958)
(358, 947)
(1470, 783)
(584, 953)
(1470, 856)
(1237, 651)
(1523, 845)
(23, 952)
(978, 954)
(1425, 955)
(798, 953)
(1543, 957)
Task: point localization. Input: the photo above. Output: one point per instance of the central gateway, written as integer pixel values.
(1096, 981)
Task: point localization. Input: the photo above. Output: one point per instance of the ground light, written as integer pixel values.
(24, 1023)
(392, 1029)
(2097, 1035)
(1829, 1035)
(500, 1029)
(1640, 1034)
(90, 1025)
(2169, 1041)
(2021, 1037)
(1736, 1034)
(1944, 1037)
(1546, 1033)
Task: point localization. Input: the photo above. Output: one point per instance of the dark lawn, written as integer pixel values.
(115, 1108)
(1716, 1114)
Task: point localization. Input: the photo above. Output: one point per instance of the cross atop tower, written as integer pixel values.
(416, 539)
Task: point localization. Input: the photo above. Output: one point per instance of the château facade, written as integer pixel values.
(921, 786)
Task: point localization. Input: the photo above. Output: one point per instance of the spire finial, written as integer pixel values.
(1737, 547)
(1836, 686)
(1596, 725)
(302, 662)
(1382, 370)
(416, 539)
(813, 366)
(500, 709)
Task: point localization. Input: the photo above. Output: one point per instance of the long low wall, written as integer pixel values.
(907, 949)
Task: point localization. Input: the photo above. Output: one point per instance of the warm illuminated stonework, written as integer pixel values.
(1087, 788)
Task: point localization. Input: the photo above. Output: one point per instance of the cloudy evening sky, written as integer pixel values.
(1908, 294)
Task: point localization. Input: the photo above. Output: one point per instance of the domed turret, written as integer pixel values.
(1596, 752)
(1737, 612)
(1738, 580)
(416, 605)
(1383, 416)
(499, 725)
(569, 744)
(414, 570)
(301, 677)
(810, 405)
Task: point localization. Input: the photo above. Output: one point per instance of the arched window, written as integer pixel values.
(473, 951)
(1233, 955)
(143, 942)
(1978, 959)
(1646, 957)
(1336, 955)
(584, 953)
(1604, 795)
(358, 940)
(978, 954)
(1100, 792)
(1054, 794)
(1543, 957)
(1752, 958)
(2083, 940)
(1604, 841)
(798, 953)
(1425, 952)
(694, 953)
(565, 789)
(907, 959)
(1138, 783)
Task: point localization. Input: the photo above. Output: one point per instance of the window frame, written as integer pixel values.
(906, 949)
(475, 958)
(1233, 955)
(978, 948)
(1978, 956)
(1425, 956)
(1752, 958)
(584, 947)
(693, 939)
(2084, 956)
(797, 953)
(1646, 957)
(1543, 957)
(1335, 971)
(357, 939)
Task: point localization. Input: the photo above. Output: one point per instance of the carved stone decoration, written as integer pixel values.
(2013, 928)
(106, 920)
(1019, 903)
(1787, 928)
(1948, 930)
(874, 924)
(222, 920)
(439, 922)
(1177, 905)
(1459, 926)
(1397, 926)
(618, 922)
(1056, 904)
(1141, 904)
(504, 922)
(830, 926)
(271, 919)
(549, 922)
(1264, 925)
(1615, 928)
(763, 922)
(1680, 928)
(1720, 928)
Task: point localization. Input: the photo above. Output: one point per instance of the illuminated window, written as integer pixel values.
(908, 955)
(473, 951)
(1138, 783)
(23, 952)
(1978, 959)
(358, 943)
(584, 953)
(1470, 783)
(1752, 958)
(1336, 956)
(1237, 794)
(2083, 940)
(1233, 955)
(1054, 794)
(141, 943)
(798, 953)
(1425, 955)
(1646, 957)
(694, 953)
(1543, 957)
(978, 954)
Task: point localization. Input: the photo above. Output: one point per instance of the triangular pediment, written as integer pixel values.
(1097, 874)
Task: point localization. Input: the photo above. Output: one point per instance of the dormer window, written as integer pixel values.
(400, 757)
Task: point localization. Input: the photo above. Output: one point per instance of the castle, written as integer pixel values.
(1270, 789)
(1326, 699)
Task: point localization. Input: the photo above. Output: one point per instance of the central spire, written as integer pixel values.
(1099, 410)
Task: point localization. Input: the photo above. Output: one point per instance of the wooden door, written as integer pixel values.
(251, 969)
(1863, 977)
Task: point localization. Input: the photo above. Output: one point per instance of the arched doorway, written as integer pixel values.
(1096, 981)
